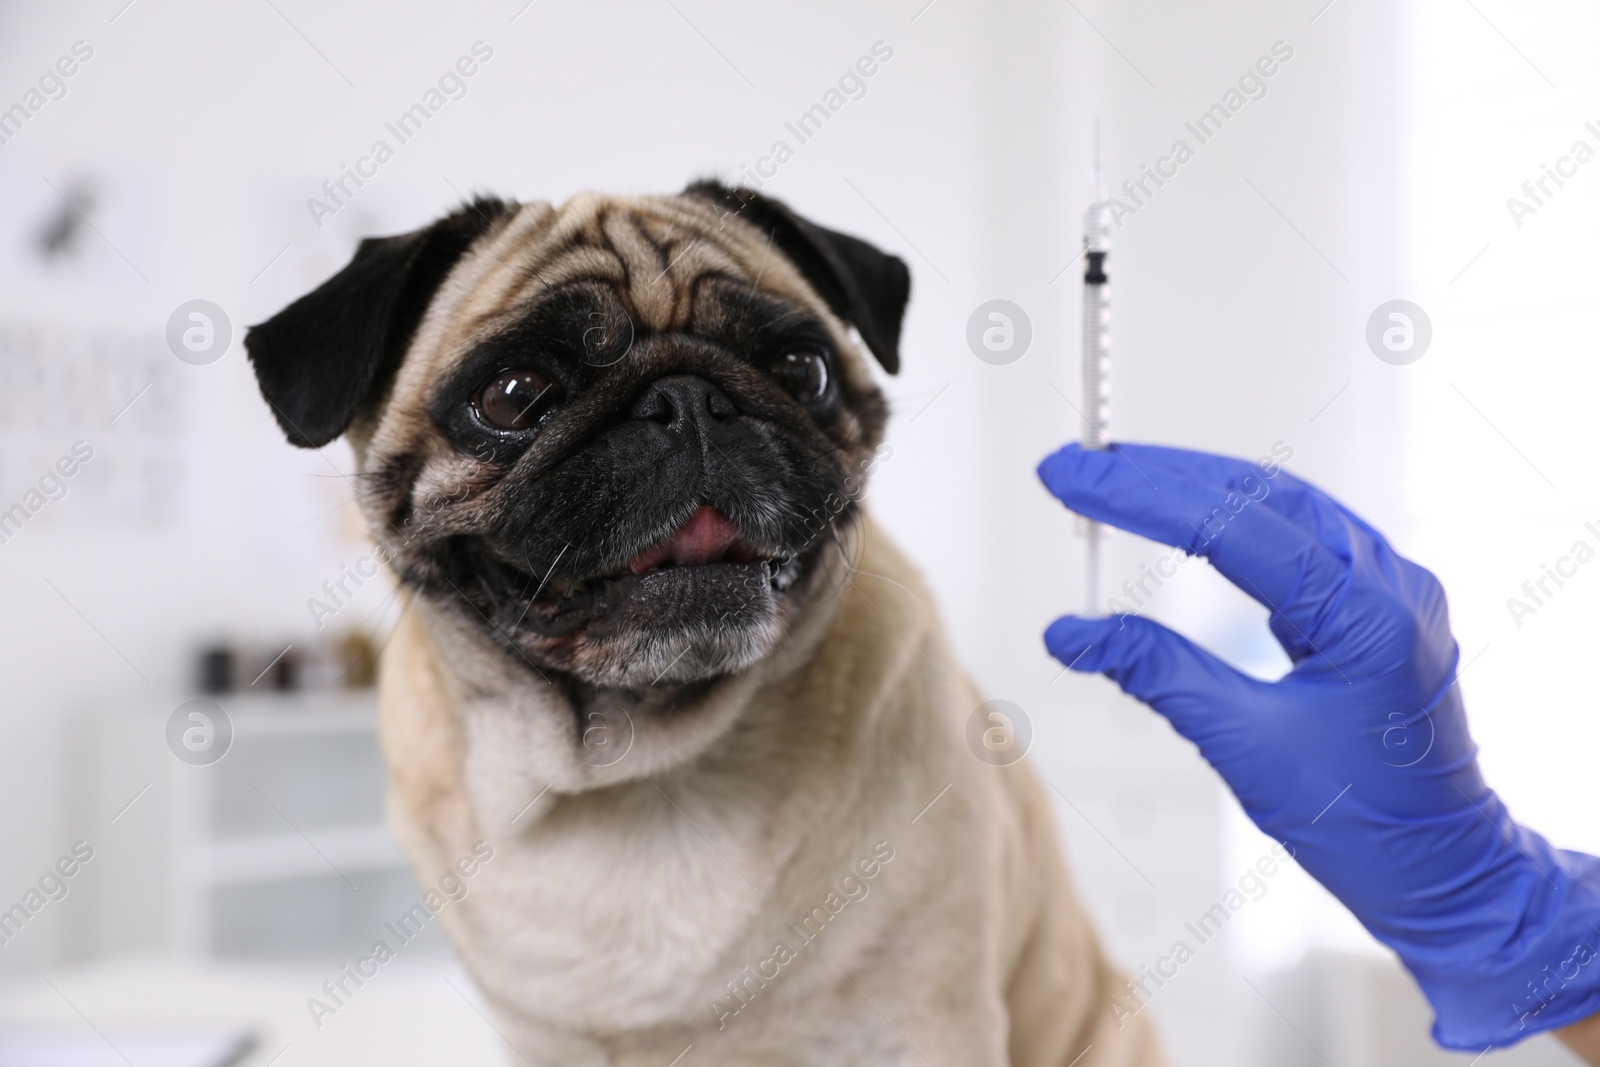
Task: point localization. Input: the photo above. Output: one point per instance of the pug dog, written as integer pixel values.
(654, 652)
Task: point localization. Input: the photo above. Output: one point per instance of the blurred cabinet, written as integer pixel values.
(278, 850)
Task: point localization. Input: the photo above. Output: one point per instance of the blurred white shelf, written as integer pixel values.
(278, 850)
(270, 858)
(307, 715)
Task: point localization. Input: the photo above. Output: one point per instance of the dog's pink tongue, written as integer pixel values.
(705, 538)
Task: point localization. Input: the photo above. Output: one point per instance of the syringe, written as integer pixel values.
(1096, 350)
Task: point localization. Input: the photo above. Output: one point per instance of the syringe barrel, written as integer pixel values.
(1096, 365)
(1096, 370)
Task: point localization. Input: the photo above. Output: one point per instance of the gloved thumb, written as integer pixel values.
(1191, 687)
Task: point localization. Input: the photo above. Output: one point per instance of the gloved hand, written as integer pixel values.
(1358, 760)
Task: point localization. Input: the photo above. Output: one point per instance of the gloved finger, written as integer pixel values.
(1197, 692)
(1334, 525)
(1307, 506)
(1276, 562)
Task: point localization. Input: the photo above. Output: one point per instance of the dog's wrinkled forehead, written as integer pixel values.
(369, 338)
(629, 266)
(652, 250)
(655, 254)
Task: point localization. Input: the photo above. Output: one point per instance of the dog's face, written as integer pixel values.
(622, 437)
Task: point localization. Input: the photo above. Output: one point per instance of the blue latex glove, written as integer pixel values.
(1358, 760)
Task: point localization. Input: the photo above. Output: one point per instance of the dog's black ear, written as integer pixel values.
(866, 287)
(327, 356)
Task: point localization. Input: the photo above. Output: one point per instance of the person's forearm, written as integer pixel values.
(1584, 1039)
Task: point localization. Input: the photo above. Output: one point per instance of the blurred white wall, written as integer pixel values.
(1242, 290)
(1500, 477)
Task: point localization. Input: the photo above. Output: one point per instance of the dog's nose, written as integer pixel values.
(680, 401)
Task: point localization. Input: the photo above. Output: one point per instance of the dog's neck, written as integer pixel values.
(502, 732)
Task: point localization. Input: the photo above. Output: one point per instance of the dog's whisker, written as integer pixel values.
(551, 571)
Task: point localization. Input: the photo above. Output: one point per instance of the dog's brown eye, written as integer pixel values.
(803, 374)
(515, 399)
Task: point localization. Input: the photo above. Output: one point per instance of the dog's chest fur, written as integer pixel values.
(619, 922)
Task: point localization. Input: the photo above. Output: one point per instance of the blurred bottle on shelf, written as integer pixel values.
(214, 669)
(347, 660)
